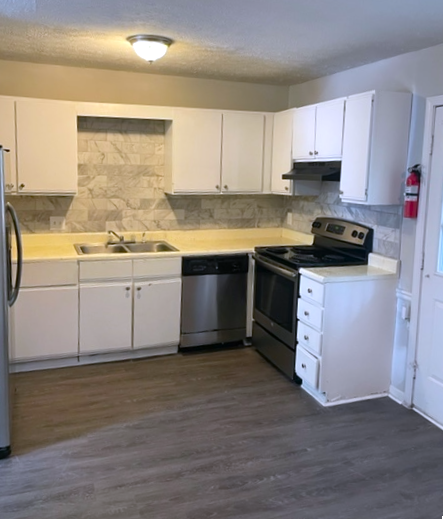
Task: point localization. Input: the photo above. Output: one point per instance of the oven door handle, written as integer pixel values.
(288, 274)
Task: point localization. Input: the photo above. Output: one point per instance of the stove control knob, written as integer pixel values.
(354, 234)
(361, 235)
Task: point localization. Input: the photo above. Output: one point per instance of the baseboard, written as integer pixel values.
(396, 395)
(428, 418)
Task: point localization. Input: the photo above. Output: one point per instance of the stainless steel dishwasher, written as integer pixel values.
(214, 298)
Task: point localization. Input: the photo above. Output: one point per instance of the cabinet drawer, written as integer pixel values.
(111, 269)
(307, 367)
(310, 314)
(312, 290)
(309, 337)
(48, 273)
(160, 267)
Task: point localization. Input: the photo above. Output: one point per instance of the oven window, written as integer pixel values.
(274, 297)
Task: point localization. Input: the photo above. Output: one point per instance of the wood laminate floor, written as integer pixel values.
(214, 435)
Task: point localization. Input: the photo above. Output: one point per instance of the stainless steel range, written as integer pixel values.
(336, 243)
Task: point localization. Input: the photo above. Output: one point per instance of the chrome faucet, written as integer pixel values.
(120, 237)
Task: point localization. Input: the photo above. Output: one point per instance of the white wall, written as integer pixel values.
(422, 74)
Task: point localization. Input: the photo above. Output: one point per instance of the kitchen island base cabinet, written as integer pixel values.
(105, 317)
(157, 313)
(44, 323)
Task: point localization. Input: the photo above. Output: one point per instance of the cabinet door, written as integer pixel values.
(157, 313)
(7, 140)
(242, 156)
(105, 317)
(329, 130)
(303, 144)
(45, 323)
(196, 151)
(356, 148)
(46, 147)
(282, 152)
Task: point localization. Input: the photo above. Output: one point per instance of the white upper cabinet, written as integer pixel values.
(282, 152)
(193, 152)
(46, 147)
(303, 145)
(242, 155)
(7, 140)
(318, 131)
(375, 146)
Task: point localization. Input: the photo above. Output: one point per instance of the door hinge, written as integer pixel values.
(414, 366)
(432, 145)
(422, 266)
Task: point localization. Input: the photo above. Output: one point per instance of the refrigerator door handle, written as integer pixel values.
(18, 239)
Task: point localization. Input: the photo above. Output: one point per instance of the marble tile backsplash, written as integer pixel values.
(385, 220)
(121, 187)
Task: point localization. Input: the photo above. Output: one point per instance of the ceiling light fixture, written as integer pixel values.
(149, 47)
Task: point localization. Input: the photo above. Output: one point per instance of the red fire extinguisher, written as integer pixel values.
(412, 190)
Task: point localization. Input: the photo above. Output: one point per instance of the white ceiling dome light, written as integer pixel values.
(149, 47)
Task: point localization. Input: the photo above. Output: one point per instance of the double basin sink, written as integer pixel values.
(124, 247)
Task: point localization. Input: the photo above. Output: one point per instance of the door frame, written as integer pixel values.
(432, 103)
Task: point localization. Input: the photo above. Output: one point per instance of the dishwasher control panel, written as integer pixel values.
(215, 265)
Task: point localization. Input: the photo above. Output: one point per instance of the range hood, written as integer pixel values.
(314, 171)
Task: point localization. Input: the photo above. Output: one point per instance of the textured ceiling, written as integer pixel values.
(265, 41)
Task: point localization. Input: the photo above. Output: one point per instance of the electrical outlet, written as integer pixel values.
(57, 223)
(289, 218)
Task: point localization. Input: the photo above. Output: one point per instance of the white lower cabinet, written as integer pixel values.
(45, 323)
(345, 333)
(157, 313)
(105, 317)
(44, 320)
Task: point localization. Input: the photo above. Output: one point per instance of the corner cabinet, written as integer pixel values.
(318, 131)
(42, 138)
(375, 147)
(214, 152)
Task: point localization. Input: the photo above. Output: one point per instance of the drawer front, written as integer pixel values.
(157, 267)
(312, 290)
(307, 367)
(310, 338)
(100, 270)
(48, 273)
(310, 314)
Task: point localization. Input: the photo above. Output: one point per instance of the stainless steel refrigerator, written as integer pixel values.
(9, 290)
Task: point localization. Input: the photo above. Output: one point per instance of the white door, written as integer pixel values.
(196, 151)
(282, 152)
(46, 146)
(329, 129)
(428, 389)
(356, 148)
(45, 323)
(157, 313)
(303, 143)
(242, 155)
(7, 140)
(105, 317)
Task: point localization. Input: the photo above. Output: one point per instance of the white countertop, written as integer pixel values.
(378, 266)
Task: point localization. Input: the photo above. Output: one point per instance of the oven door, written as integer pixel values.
(275, 299)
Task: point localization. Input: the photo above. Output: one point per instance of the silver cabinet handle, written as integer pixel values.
(217, 187)
(127, 289)
(138, 289)
(310, 153)
(309, 290)
(306, 313)
(303, 366)
(225, 187)
(9, 186)
(341, 192)
(306, 337)
(286, 188)
(21, 186)
(315, 152)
